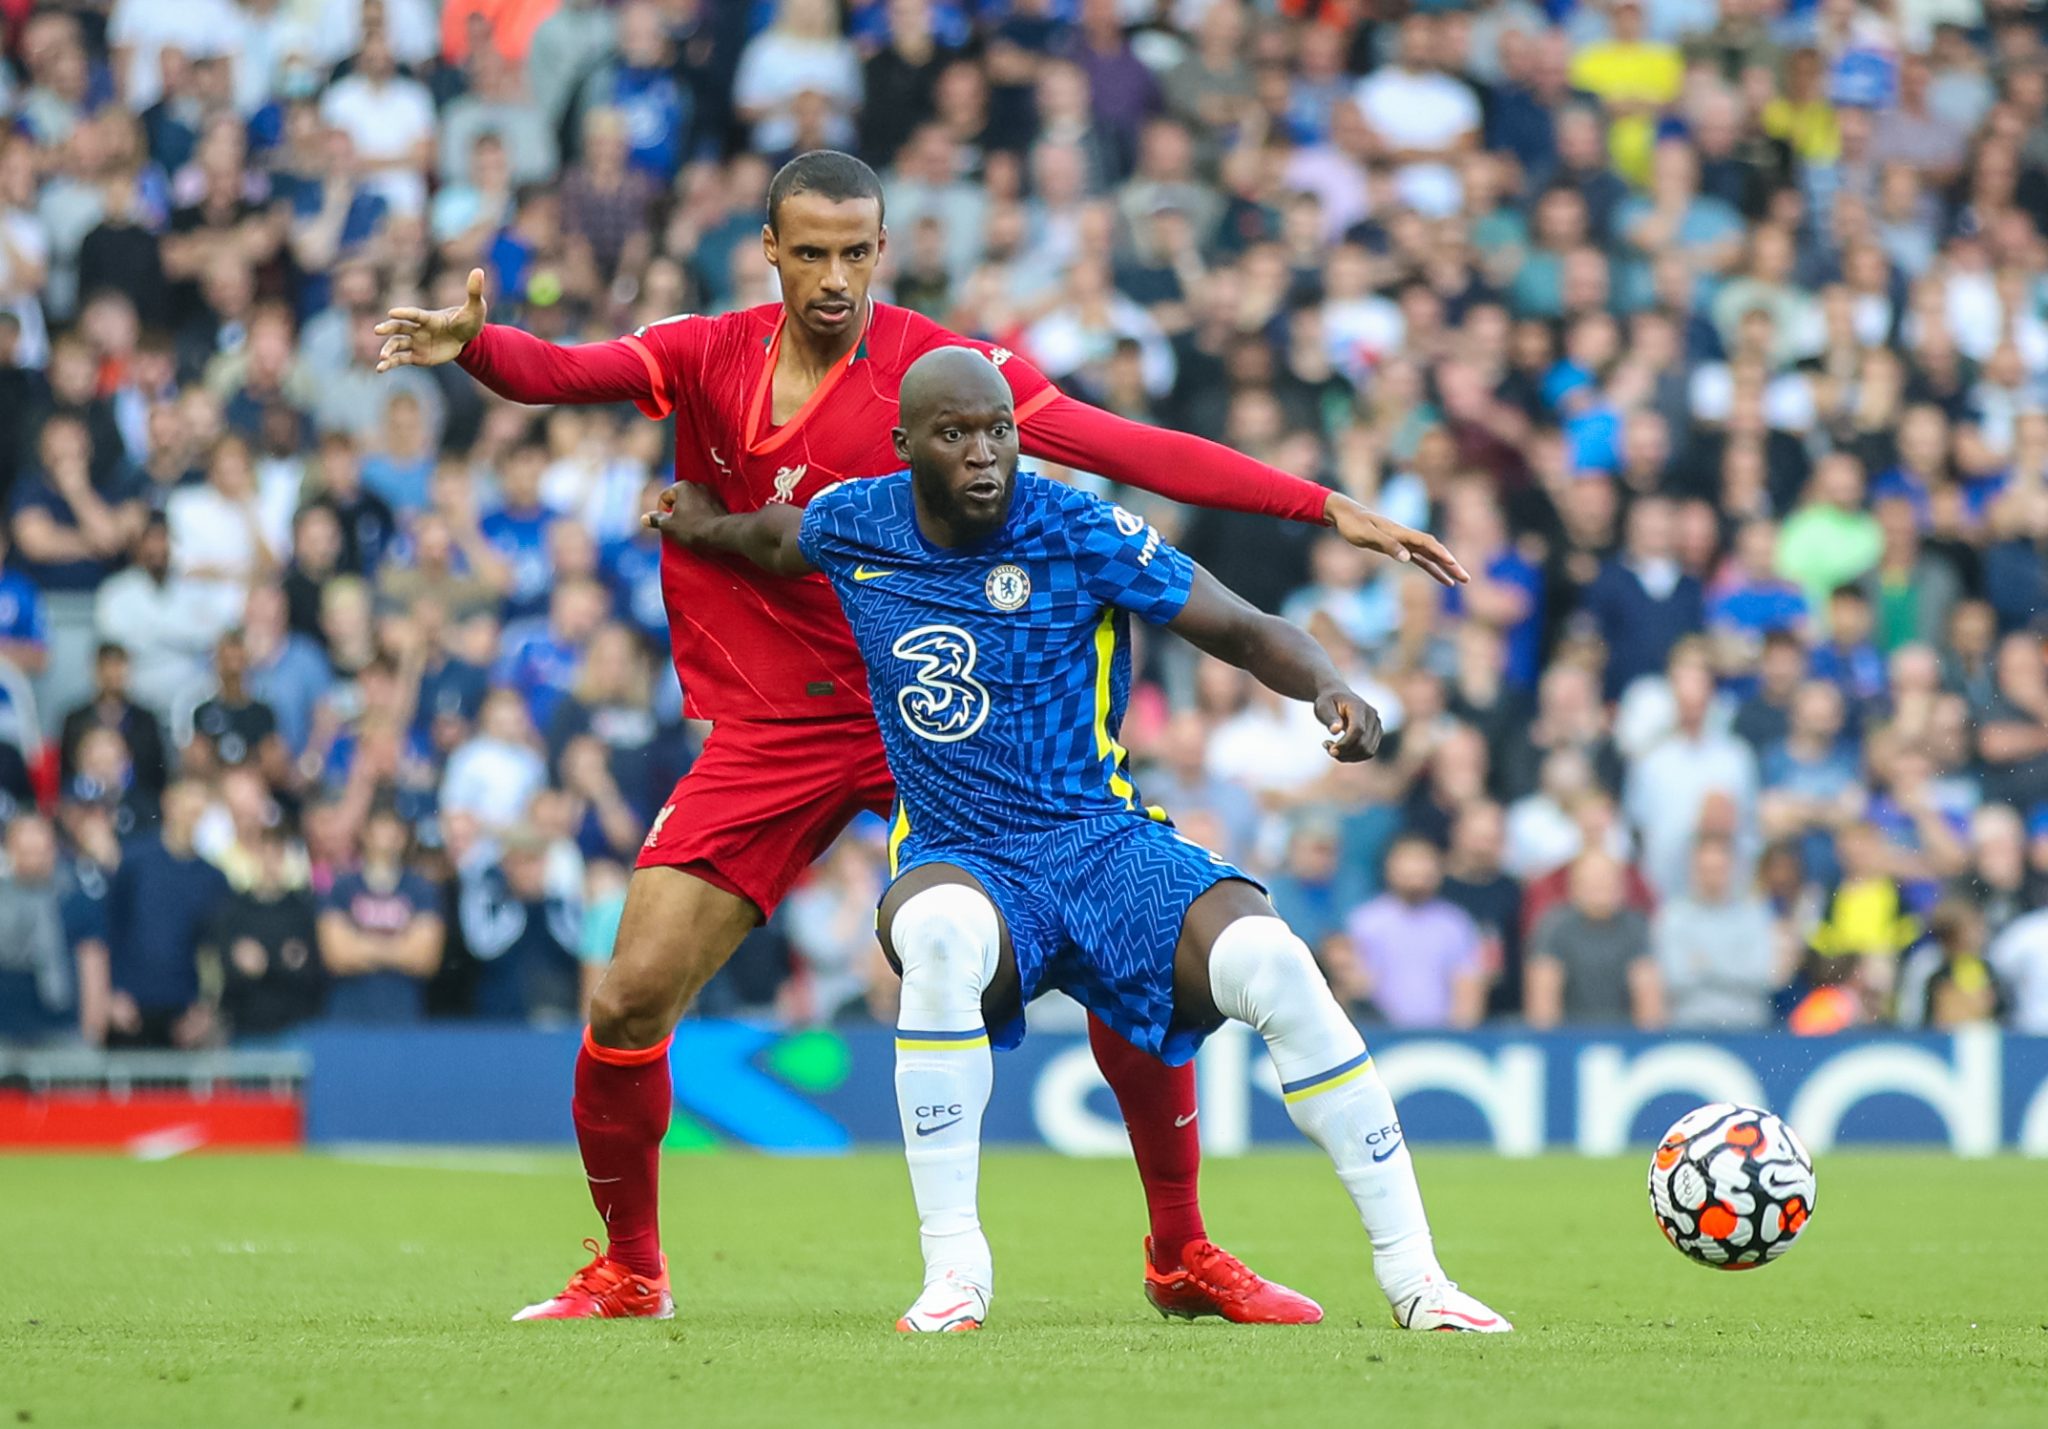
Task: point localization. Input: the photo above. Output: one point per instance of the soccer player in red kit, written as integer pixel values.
(774, 404)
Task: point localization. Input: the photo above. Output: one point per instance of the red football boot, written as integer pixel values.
(1212, 1281)
(606, 1290)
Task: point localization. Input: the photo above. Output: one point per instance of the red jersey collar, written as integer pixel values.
(758, 412)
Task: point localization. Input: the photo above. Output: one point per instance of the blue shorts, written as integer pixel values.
(1094, 909)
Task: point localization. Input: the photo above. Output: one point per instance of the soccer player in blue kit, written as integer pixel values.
(992, 612)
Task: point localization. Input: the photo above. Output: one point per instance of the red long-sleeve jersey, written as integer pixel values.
(748, 645)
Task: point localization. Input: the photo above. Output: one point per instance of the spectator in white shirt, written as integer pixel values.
(2019, 957)
(1421, 118)
(139, 31)
(801, 53)
(495, 774)
(218, 545)
(411, 28)
(1671, 784)
(391, 120)
(161, 621)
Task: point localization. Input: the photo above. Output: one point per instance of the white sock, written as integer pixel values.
(946, 939)
(1261, 974)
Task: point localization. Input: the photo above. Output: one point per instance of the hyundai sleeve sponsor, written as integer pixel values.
(742, 1085)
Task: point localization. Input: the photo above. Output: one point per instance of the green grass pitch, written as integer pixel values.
(313, 1290)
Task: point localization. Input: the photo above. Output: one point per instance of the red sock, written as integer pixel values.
(622, 1111)
(1158, 1103)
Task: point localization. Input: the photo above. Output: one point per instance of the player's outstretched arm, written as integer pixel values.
(516, 364)
(1196, 472)
(1281, 656)
(696, 520)
(422, 337)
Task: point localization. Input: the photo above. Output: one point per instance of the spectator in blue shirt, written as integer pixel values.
(632, 568)
(644, 82)
(1811, 783)
(367, 524)
(332, 219)
(524, 933)
(1849, 659)
(518, 531)
(1310, 892)
(287, 671)
(24, 624)
(380, 930)
(452, 684)
(399, 465)
(541, 657)
(1642, 603)
(159, 904)
(70, 532)
(1749, 600)
(1507, 590)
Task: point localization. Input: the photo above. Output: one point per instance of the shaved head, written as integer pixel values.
(957, 430)
(949, 377)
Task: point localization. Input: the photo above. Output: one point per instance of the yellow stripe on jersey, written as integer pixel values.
(1106, 746)
(898, 832)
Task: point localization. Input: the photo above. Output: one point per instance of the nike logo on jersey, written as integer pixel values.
(937, 1127)
(869, 573)
(1184, 1120)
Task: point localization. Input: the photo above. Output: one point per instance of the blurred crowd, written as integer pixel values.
(1711, 334)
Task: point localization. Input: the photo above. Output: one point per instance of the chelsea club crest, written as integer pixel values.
(1007, 587)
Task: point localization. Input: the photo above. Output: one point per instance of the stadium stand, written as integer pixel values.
(1712, 336)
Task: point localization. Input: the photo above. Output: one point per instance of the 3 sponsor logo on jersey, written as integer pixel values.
(944, 703)
(1008, 587)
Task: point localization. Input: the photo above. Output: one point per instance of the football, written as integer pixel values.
(1731, 1186)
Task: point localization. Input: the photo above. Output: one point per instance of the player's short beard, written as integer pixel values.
(937, 495)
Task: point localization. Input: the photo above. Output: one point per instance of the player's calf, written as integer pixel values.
(1261, 974)
(947, 938)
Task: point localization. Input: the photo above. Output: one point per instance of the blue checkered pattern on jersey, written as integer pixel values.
(999, 670)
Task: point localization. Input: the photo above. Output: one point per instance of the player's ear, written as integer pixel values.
(882, 240)
(900, 439)
(768, 243)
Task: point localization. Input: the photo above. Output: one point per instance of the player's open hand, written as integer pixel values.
(1370, 532)
(1353, 724)
(419, 337)
(684, 512)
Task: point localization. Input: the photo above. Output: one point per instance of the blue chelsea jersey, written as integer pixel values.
(999, 670)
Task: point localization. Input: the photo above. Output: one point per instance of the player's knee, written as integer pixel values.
(946, 937)
(1257, 967)
(630, 1012)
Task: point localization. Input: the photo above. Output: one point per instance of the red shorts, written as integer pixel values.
(765, 799)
